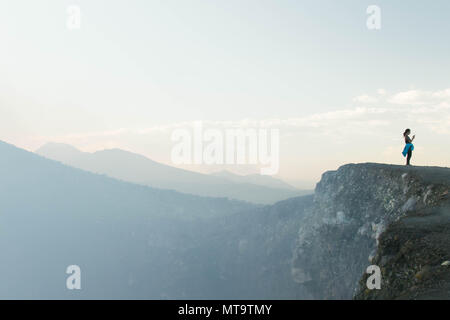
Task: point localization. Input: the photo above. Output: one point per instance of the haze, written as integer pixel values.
(136, 70)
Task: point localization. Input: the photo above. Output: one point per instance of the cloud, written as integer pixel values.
(381, 92)
(420, 97)
(412, 97)
(365, 99)
(414, 108)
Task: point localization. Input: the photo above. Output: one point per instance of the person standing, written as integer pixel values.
(409, 147)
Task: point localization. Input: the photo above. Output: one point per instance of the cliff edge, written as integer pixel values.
(396, 217)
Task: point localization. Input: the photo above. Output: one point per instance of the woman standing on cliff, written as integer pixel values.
(409, 147)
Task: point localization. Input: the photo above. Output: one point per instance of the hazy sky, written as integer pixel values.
(136, 70)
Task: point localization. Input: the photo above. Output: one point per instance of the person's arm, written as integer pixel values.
(414, 136)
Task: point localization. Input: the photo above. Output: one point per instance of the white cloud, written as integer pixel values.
(407, 97)
(430, 108)
(420, 97)
(425, 112)
(365, 99)
(443, 94)
(381, 92)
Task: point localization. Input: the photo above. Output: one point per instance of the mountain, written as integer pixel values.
(138, 169)
(257, 179)
(133, 241)
(137, 242)
(126, 238)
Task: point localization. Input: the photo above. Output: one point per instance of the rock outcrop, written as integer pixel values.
(320, 246)
(395, 217)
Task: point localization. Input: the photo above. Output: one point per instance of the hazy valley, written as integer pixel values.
(136, 242)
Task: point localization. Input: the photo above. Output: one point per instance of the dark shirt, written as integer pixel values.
(407, 139)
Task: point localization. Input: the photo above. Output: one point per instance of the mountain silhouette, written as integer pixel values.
(256, 179)
(123, 236)
(138, 169)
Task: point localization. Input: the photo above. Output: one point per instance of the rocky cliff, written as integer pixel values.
(319, 246)
(395, 217)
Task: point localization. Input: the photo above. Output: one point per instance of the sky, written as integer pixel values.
(135, 71)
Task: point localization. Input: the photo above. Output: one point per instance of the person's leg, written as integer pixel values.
(409, 157)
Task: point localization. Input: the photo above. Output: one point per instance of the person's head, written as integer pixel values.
(407, 132)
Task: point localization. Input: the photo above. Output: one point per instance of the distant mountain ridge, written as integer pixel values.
(126, 238)
(135, 168)
(257, 179)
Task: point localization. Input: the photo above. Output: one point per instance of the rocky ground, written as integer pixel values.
(414, 251)
(396, 217)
